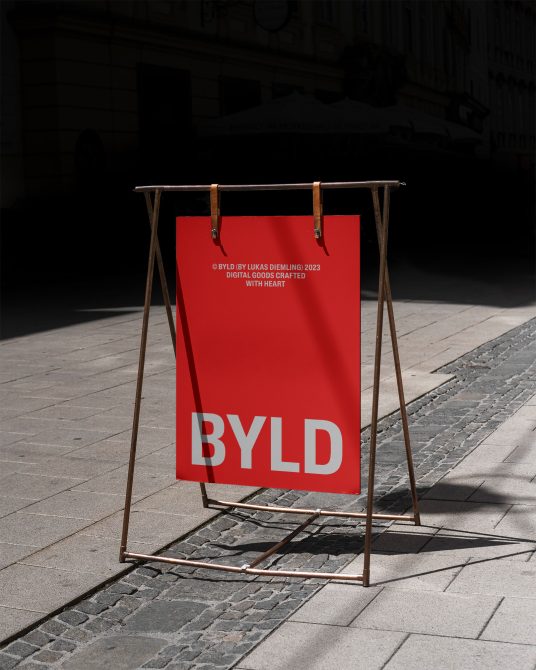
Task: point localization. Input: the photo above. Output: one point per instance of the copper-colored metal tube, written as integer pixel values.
(398, 368)
(246, 570)
(163, 280)
(141, 367)
(376, 388)
(271, 187)
(183, 561)
(299, 510)
(305, 575)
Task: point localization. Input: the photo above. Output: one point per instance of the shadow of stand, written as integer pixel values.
(334, 539)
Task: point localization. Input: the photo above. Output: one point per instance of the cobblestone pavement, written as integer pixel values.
(160, 616)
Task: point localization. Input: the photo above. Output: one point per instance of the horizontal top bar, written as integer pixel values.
(274, 187)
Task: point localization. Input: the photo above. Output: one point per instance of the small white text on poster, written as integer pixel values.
(266, 275)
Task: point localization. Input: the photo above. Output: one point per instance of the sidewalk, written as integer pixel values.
(457, 592)
(66, 429)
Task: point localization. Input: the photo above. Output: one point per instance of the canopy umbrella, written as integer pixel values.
(359, 117)
(294, 113)
(420, 122)
(463, 134)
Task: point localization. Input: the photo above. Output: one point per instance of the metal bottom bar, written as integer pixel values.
(297, 510)
(245, 569)
(249, 568)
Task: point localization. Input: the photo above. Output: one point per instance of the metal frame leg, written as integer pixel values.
(396, 358)
(155, 210)
(163, 280)
(376, 390)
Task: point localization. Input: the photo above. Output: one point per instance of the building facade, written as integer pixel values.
(97, 87)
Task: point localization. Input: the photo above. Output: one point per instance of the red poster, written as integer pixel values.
(268, 353)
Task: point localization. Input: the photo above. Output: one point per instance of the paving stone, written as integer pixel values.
(148, 572)
(399, 541)
(196, 588)
(160, 662)
(55, 587)
(165, 616)
(114, 482)
(66, 437)
(500, 577)
(35, 486)
(91, 607)
(108, 598)
(460, 515)
(11, 553)
(99, 625)
(36, 530)
(7, 438)
(428, 612)
(516, 492)
(524, 453)
(91, 506)
(62, 645)
(9, 505)
(13, 620)
(37, 637)
(117, 613)
(122, 588)
(117, 652)
(85, 554)
(22, 649)
(8, 662)
(318, 647)
(462, 546)
(428, 573)
(145, 527)
(28, 456)
(53, 626)
(336, 604)
(518, 522)
(77, 634)
(462, 488)
(448, 653)
(72, 617)
(47, 656)
(70, 465)
(513, 621)
(147, 593)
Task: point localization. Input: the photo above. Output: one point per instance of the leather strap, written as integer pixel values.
(214, 211)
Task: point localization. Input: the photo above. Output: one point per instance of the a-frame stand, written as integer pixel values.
(381, 215)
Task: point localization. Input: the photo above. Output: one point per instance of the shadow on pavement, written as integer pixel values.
(494, 283)
(341, 539)
(41, 307)
(37, 305)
